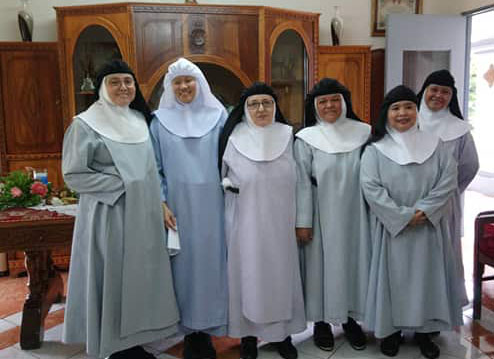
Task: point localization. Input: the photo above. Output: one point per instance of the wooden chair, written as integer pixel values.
(483, 254)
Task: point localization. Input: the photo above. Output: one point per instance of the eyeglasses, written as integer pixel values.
(115, 82)
(256, 105)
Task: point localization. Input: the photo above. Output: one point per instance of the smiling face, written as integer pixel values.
(184, 88)
(437, 97)
(329, 107)
(121, 88)
(261, 109)
(402, 115)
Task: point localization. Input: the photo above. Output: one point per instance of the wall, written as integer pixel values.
(355, 13)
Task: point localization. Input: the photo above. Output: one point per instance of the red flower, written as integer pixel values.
(16, 192)
(39, 188)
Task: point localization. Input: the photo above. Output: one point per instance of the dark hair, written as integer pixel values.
(235, 117)
(399, 93)
(443, 78)
(121, 67)
(327, 86)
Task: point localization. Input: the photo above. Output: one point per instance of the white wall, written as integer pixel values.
(355, 13)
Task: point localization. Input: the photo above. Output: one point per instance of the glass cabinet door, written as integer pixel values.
(289, 76)
(94, 47)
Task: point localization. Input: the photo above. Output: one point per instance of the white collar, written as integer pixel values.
(442, 123)
(411, 146)
(118, 123)
(261, 143)
(194, 119)
(343, 135)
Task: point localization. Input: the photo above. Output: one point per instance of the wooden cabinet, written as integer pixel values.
(350, 65)
(31, 124)
(233, 45)
(31, 127)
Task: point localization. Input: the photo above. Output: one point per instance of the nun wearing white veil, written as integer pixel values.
(332, 225)
(120, 290)
(439, 113)
(185, 135)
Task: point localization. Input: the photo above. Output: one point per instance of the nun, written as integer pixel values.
(440, 114)
(332, 224)
(185, 134)
(120, 290)
(259, 177)
(408, 177)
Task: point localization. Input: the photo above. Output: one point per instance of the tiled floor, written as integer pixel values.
(475, 340)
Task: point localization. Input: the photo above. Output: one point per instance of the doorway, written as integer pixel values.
(479, 96)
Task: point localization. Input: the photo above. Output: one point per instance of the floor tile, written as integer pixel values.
(9, 337)
(14, 318)
(4, 325)
(13, 353)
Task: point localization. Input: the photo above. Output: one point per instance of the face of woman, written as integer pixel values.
(261, 109)
(121, 88)
(184, 88)
(329, 107)
(437, 97)
(402, 115)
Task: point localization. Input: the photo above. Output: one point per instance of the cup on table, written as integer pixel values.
(41, 174)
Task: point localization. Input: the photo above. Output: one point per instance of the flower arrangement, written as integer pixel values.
(19, 189)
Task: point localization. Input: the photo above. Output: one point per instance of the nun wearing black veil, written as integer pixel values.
(408, 177)
(440, 114)
(120, 290)
(258, 174)
(332, 223)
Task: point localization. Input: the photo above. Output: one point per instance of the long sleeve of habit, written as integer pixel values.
(436, 200)
(155, 140)
(395, 218)
(303, 158)
(468, 162)
(80, 170)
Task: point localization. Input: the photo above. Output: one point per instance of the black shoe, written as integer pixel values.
(391, 344)
(191, 346)
(136, 352)
(323, 336)
(286, 349)
(428, 348)
(354, 334)
(205, 346)
(248, 348)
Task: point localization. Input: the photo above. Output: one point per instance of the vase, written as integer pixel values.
(336, 26)
(25, 19)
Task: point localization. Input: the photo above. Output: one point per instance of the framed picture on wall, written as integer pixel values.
(382, 8)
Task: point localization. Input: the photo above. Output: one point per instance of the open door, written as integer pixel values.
(417, 45)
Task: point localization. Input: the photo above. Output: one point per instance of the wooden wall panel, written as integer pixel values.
(31, 123)
(377, 82)
(31, 97)
(351, 66)
(158, 38)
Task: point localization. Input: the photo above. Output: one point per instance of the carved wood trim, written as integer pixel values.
(262, 45)
(344, 49)
(28, 46)
(291, 14)
(35, 156)
(197, 9)
(91, 9)
(3, 137)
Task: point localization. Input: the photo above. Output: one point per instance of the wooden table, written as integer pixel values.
(36, 232)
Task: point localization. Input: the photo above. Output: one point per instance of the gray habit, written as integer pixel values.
(263, 271)
(120, 291)
(412, 282)
(336, 262)
(465, 153)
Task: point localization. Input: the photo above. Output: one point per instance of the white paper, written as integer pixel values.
(173, 244)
